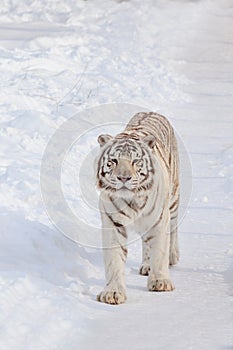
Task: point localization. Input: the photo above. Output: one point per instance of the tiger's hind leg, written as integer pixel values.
(145, 266)
(174, 253)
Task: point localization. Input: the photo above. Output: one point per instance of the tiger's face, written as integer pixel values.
(125, 164)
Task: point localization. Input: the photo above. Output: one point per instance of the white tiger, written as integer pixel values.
(138, 178)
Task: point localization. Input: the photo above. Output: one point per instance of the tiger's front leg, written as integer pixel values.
(115, 253)
(158, 238)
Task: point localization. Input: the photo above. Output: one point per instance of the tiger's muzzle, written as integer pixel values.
(124, 174)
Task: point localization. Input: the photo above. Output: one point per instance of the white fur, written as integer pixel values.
(153, 222)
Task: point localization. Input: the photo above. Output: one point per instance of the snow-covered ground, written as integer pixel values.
(59, 58)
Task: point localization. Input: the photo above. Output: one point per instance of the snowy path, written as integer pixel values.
(174, 57)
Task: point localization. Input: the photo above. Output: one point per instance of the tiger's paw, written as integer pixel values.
(113, 297)
(144, 270)
(160, 285)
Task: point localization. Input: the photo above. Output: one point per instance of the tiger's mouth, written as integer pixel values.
(124, 188)
(126, 185)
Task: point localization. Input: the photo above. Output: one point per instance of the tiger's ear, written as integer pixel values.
(103, 139)
(150, 140)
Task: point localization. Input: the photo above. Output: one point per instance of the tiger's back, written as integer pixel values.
(156, 125)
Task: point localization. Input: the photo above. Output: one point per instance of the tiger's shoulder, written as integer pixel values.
(158, 127)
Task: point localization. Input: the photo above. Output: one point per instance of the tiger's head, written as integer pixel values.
(125, 163)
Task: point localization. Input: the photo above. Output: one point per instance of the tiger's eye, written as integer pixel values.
(112, 162)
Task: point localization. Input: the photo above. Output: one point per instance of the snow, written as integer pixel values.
(61, 59)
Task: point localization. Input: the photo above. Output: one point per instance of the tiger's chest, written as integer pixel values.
(135, 212)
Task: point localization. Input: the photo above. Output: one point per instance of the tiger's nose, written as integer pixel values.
(123, 178)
